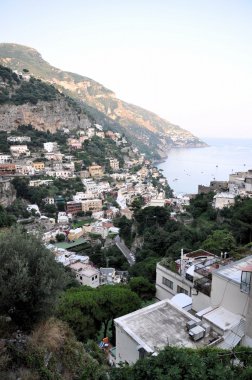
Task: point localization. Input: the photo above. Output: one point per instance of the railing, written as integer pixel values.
(203, 285)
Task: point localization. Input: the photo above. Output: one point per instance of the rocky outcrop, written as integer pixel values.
(7, 192)
(44, 116)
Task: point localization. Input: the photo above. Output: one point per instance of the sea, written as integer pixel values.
(185, 169)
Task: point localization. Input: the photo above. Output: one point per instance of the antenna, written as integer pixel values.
(181, 261)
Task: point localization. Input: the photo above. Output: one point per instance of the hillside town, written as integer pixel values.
(206, 294)
(105, 192)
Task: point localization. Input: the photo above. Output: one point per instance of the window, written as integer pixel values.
(181, 290)
(245, 282)
(92, 278)
(96, 276)
(80, 277)
(167, 282)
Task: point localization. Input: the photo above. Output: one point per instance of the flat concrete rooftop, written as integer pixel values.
(159, 325)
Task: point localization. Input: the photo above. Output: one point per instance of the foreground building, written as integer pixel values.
(220, 315)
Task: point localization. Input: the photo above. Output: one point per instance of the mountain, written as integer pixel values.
(147, 130)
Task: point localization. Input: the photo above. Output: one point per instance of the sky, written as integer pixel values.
(188, 61)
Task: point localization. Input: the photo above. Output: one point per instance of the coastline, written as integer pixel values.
(164, 158)
(191, 167)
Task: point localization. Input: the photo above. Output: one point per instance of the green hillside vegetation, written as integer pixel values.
(182, 363)
(229, 230)
(16, 91)
(46, 327)
(38, 138)
(99, 150)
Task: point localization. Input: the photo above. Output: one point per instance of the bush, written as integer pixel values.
(30, 278)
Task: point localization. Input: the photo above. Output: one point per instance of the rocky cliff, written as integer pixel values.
(7, 192)
(43, 116)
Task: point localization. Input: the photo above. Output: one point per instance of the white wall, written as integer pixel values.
(163, 291)
(200, 301)
(227, 294)
(126, 347)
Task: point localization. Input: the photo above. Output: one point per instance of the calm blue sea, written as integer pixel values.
(185, 169)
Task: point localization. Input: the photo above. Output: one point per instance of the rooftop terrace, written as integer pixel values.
(159, 325)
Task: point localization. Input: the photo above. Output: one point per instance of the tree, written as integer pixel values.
(175, 363)
(115, 301)
(137, 203)
(79, 308)
(30, 278)
(21, 186)
(60, 237)
(146, 268)
(151, 216)
(50, 209)
(6, 219)
(219, 241)
(86, 309)
(143, 287)
(125, 226)
(202, 205)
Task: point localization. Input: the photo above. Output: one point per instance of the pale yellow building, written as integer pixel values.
(75, 234)
(91, 205)
(38, 165)
(114, 163)
(96, 171)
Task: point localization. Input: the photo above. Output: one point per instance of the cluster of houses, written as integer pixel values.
(239, 184)
(55, 164)
(85, 272)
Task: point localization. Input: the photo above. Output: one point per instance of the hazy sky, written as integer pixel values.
(188, 61)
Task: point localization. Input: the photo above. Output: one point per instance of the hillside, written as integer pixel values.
(146, 129)
(31, 101)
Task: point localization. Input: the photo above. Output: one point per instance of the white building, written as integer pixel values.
(90, 132)
(50, 147)
(67, 258)
(5, 158)
(99, 127)
(34, 207)
(150, 329)
(213, 284)
(100, 134)
(114, 163)
(19, 150)
(40, 182)
(86, 274)
(64, 174)
(81, 196)
(62, 217)
(49, 201)
(222, 200)
(19, 139)
(95, 187)
(54, 156)
(223, 318)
